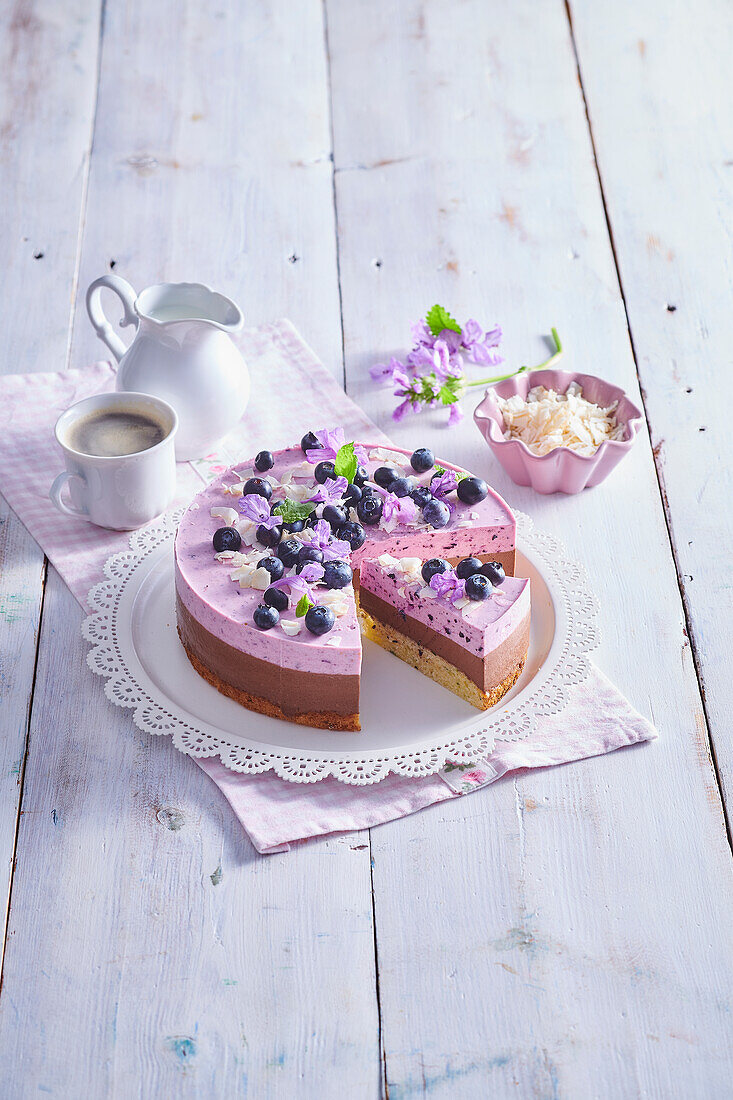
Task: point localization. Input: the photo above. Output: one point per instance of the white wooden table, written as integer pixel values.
(565, 933)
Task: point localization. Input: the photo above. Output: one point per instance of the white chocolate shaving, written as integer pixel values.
(229, 515)
(548, 419)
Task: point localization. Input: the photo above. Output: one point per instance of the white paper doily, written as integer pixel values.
(410, 726)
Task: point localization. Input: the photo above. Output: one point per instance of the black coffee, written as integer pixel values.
(108, 433)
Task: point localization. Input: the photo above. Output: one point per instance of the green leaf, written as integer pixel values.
(447, 396)
(346, 464)
(291, 511)
(303, 607)
(438, 319)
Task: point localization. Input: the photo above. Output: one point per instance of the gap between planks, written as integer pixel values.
(86, 166)
(21, 776)
(689, 631)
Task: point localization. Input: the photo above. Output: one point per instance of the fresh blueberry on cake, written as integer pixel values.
(264, 461)
(277, 560)
(226, 538)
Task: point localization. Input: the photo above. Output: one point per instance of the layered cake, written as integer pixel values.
(269, 557)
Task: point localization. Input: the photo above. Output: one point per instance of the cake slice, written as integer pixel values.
(424, 613)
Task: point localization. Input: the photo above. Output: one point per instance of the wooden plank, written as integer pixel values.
(146, 936)
(229, 180)
(658, 89)
(48, 66)
(557, 934)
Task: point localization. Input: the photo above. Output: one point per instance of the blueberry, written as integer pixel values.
(361, 475)
(468, 567)
(472, 489)
(309, 553)
(401, 487)
(337, 574)
(311, 520)
(227, 538)
(421, 495)
(324, 470)
(275, 597)
(273, 566)
(422, 459)
(319, 620)
(369, 510)
(433, 566)
(310, 443)
(266, 617)
(478, 587)
(353, 533)
(269, 536)
(288, 551)
(385, 475)
(259, 486)
(494, 571)
(264, 461)
(436, 513)
(334, 515)
(352, 496)
(368, 490)
(296, 525)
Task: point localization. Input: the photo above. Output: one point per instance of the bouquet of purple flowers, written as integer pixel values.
(433, 373)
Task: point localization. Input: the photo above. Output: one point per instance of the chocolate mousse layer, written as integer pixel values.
(486, 672)
(309, 698)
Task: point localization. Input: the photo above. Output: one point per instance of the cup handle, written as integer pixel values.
(102, 327)
(55, 495)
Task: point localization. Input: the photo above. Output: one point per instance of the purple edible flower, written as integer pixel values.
(441, 486)
(403, 509)
(332, 439)
(330, 492)
(455, 414)
(384, 372)
(448, 586)
(321, 538)
(298, 584)
(255, 508)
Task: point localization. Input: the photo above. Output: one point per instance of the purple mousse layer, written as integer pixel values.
(225, 610)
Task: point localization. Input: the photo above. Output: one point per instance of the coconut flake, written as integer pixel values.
(391, 458)
(548, 419)
(291, 626)
(229, 515)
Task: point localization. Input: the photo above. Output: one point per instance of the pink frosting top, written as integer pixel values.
(225, 609)
(479, 627)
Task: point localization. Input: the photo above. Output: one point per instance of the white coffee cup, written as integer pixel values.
(118, 491)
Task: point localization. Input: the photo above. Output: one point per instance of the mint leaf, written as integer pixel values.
(447, 396)
(439, 471)
(292, 512)
(303, 606)
(438, 319)
(346, 464)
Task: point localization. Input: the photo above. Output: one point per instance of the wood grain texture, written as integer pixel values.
(48, 67)
(212, 162)
(658, 91)
(146, 936)
(567, 929)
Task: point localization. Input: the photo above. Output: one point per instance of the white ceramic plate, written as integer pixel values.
(410, 725)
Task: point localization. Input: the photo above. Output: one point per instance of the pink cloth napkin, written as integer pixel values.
(292, 392)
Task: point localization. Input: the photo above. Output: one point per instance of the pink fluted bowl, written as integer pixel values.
(561, 470)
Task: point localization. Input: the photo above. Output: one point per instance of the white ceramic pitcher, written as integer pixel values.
(182, 352)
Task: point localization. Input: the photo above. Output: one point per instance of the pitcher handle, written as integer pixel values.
(102, 326)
